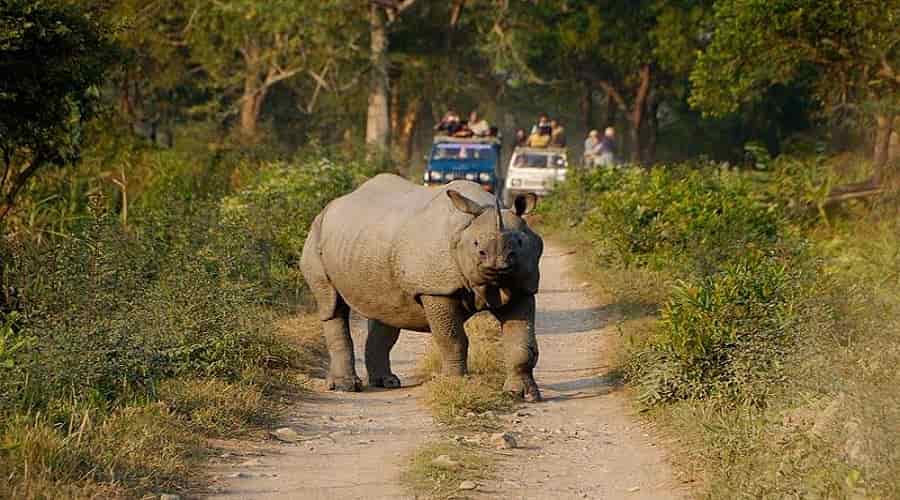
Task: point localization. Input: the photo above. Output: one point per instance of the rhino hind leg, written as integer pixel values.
(341, 370)
(379, 342)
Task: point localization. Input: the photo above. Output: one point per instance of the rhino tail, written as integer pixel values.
(313, 270)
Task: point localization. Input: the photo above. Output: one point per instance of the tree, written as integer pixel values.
(247, 46)
(382, 14)
(53, 58)
(633, 52)
(849, 50)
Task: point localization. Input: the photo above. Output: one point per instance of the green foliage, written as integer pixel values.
(279, 205)
(732, 313)
(112, 312)
(53, 58)
(689, 220)
(726, 335)
(846, 48)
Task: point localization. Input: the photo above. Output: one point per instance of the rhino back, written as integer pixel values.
(384, 243)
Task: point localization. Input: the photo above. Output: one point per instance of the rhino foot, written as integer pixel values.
(523, 387)
(389, 381)
(344, 384)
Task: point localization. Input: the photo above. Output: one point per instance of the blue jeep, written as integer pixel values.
(474, 159)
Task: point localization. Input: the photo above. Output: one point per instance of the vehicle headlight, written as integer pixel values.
(471, 176)
(425, 176)
(484, 177)
(435, 176)
(515, 182)
(449, 176)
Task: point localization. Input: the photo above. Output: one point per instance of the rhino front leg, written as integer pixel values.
(379, 342)
(341, 370)
(446, 318)
(520, 347)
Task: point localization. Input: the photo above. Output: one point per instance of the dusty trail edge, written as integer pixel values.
(584, 441)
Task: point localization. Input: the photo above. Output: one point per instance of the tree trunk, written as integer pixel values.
(378, 129)
(611, 109)
(651, 131)
(587, 105)
(406, 132)
(637, 114)
(251, 106)
(254, 92)
(884, 126)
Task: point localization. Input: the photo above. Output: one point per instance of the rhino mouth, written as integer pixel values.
(497, 275)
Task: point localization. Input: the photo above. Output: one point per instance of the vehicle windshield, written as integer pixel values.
(463, 152)
(537, 160)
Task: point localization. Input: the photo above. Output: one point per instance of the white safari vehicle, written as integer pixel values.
(534, 170)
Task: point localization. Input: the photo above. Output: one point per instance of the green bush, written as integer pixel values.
(725, 335)
(280, 203)
(690, 220)
(114, 310)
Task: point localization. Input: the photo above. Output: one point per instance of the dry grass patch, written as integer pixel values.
(131, 452)
(442, 478)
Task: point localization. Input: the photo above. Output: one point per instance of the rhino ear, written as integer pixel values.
(525, 203)
(464, 204)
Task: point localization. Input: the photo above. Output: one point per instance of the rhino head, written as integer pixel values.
(497, 252)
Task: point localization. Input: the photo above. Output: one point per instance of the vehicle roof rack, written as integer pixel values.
(465, 140)
(548, 149)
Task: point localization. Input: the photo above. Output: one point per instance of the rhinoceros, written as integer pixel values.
(411, 257)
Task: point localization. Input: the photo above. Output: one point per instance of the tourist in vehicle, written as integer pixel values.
(521, 138)
(449, 124)
(542, 127)
(479, 126)
(607, 148)
(557, 134)
(540, 133)
(590, 145)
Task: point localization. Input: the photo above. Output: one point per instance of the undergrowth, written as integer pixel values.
(125, 341)
(773, 351)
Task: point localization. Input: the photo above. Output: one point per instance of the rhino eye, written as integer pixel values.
(476, 243)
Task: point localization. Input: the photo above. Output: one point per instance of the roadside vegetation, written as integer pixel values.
(125, 342)
(773, 350)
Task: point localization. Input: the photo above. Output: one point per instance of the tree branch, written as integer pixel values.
(615, 94)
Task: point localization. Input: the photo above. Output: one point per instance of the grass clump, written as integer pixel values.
(452, 398)
(435, 479)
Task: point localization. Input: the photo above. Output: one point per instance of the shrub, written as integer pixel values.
(725, 335)
(691, 220)
(279, 205)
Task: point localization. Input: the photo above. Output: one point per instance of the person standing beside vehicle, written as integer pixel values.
(590, 145)
(557, 134)
(607, 148)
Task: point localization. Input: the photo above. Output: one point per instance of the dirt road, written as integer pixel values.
(583, 442)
